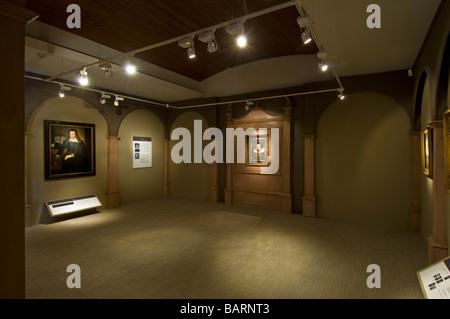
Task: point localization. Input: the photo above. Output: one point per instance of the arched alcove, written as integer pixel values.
(189, 180)
(426, 184)
(363, 161)
(39, 190)
(423, 79)
(137, 184)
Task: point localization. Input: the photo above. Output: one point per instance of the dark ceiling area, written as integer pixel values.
(130, 25)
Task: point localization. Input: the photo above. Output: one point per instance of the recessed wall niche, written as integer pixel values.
(247, 183)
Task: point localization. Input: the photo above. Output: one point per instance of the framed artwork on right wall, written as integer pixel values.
(427, 151)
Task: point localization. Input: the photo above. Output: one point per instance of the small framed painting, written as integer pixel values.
(257, 150)
(427, 151)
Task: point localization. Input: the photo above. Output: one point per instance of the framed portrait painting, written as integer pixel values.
(257, 150)
(69, 149)
(427, 151)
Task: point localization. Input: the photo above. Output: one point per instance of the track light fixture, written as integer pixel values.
(210, 39)
(104, 97)
(305, 22)
(341, 94)
(83, 80)
(237, 30)
(306, 36)
(106, 67)
(191, 52)
(248, 105)
(188, 44)
(323, 65)
(63, 88)
(117, 100)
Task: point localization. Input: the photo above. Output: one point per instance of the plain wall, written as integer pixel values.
(69, 109)
(137, 184)
(363, 161)
(189, 180)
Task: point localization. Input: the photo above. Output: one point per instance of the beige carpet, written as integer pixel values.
(175, 248)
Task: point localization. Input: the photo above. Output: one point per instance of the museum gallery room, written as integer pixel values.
(225, 149)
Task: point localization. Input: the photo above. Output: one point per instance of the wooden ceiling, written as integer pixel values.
(127, 25)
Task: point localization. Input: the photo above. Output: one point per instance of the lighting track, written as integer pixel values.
(191, 35)
(95, 90)
(320, 46)
(182, 37)
(167, 105)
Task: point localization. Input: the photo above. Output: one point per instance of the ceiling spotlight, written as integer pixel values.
(304, 22)
(306, 36)
(106, 67)
(212, 46)
(237, 30)
(188, 44)
(63, 88)
(191, 52)
(116, 101)
(104, 97)
(209, 38)
(83, 80)
(130, 69)
(323, 65)
(341, 94)
(248, 105)
(242, 40)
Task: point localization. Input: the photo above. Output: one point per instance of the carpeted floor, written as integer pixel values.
(181, 249)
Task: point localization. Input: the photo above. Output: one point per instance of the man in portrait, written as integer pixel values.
(73, 153)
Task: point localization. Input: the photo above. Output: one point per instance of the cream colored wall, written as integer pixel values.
(140, 183)
(68, 109)
(426, 184)
(363, 161)
(189, 180)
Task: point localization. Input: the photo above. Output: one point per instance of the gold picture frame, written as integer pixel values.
(446, 128)
(257, 153)
(427, 151)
